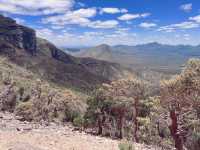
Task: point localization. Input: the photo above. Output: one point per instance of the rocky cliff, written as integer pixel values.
(16, 35)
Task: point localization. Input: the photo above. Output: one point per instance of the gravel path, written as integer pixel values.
(17, 135)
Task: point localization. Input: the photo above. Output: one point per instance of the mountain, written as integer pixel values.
(103, 52)
(157, 57)
(22, 47)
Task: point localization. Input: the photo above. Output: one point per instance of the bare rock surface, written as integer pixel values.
(18, 135)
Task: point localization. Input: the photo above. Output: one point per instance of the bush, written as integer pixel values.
(25, 110)
(78, 121)
(125, 145)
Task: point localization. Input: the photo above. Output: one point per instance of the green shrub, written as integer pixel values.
(126, 145)
(78, 121)
(24, 109)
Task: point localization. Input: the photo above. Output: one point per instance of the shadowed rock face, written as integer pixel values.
(17, 35)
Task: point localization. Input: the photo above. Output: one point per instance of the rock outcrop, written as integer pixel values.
(17, 35)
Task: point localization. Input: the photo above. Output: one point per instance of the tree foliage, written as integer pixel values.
(180, 98)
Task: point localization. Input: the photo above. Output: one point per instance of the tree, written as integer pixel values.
(131, 90)
(117, 101)
(180, 96)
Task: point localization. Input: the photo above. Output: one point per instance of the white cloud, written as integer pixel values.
(127, 17)
(182, 25)
(147, 25)
(186, 7)
(20, 21)
(186, 25)
(35, 7)
(104, 24)
(111, 10)
(80, 17)
(144, 15)
(56, 27)
(195, 18)
(186, 37)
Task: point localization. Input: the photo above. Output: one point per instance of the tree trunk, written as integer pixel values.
(101, 120)
(174, 131)
(135, 115)
(121, 127)
(100, 128)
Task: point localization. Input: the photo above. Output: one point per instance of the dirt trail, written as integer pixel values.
(17, 135)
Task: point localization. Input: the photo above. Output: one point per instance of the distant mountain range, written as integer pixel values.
(152, 56)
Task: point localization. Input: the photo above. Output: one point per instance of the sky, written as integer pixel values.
(83, 23)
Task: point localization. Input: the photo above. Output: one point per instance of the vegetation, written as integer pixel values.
(125, 109)
(180, 98)
(33, 99)
(125, 145)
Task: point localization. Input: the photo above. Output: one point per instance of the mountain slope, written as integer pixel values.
(103, 52)
(21, 46)
(152, 56)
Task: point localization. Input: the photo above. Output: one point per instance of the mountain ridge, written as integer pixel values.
(169, 58)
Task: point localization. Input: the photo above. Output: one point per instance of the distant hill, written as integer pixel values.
(22, 47)
(152, 56)
(103, 52)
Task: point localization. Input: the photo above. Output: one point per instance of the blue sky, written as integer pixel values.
(75, 23)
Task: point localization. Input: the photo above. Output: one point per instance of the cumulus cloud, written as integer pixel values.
(195, 18)
(111, 10)
(35, 7)
(20, 21)
(80, 17)
(182, 25)
(147, 25)
(128, 17)
(72, 17)
(104, 24)
(186, 7)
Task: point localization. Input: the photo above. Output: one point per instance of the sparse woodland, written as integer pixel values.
(126, 109)
(123, 109)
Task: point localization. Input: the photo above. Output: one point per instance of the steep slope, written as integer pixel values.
(21, 46)
(102, 69)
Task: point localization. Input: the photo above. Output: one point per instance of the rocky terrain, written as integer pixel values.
(17, 135)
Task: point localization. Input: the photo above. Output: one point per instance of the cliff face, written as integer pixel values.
(16, 35)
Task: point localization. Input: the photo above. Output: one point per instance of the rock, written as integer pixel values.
(18, 129)
(27, 129)
(20, 118)
(16, 35)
